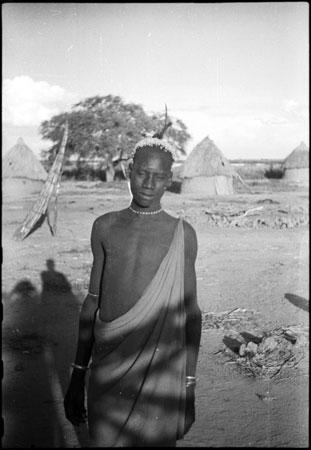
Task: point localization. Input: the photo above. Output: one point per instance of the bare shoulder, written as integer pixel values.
(103, 223)
(191, 242)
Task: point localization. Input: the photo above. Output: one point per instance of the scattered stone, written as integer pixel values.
(253, 336)
(251, 348)
(242, 350)
(278, 349)
(291, 336)
(269, 344)
(233, 343)
(265, 398)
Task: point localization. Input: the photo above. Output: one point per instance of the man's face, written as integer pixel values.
(149, 177)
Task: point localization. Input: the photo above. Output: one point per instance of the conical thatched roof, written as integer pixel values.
(21, 162)
(206, 160)
(298, 158)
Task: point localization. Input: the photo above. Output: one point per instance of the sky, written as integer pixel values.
(235, 72)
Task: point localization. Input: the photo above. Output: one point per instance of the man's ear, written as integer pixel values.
(129, 169)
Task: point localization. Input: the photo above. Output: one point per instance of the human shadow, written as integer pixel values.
(40, 336)
(298, 301)
(25, 382)
(53, 282)
(23, 289)
(60, 319)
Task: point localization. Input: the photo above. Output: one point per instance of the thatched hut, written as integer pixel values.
(296, 165)
(22, 172)
(206, 171)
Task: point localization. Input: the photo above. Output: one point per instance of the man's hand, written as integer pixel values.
(190, 408)
(74, 400)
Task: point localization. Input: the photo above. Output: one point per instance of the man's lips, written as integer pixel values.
(146, 195)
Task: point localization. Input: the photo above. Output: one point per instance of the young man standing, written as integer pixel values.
(140, 324)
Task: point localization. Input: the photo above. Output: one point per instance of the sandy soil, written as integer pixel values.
(253, 269)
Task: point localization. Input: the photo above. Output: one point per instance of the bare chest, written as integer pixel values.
(132, 258)
(137, 248)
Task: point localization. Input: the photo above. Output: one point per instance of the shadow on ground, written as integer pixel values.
(39, 340)
(298, 301)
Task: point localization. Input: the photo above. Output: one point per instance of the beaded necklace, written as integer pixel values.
(149, 213)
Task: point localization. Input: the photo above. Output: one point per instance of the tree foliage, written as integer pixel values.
(108, 128)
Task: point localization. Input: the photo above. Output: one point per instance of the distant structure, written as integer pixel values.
(22, 172)
(206, 171)
(296, 165)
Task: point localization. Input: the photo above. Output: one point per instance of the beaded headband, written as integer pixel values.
(156, 142)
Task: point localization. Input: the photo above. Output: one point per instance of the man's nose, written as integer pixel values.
(148, 181)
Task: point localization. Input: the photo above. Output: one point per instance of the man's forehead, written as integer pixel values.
(152, 166)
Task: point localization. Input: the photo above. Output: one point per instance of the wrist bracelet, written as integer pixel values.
(77, 366)
(93, 295)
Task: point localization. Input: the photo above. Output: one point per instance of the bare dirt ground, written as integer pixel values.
(253, 283)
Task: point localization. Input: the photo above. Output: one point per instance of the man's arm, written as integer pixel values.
(193, 312)
(91, 302)
(74, 399)
(193, 320)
